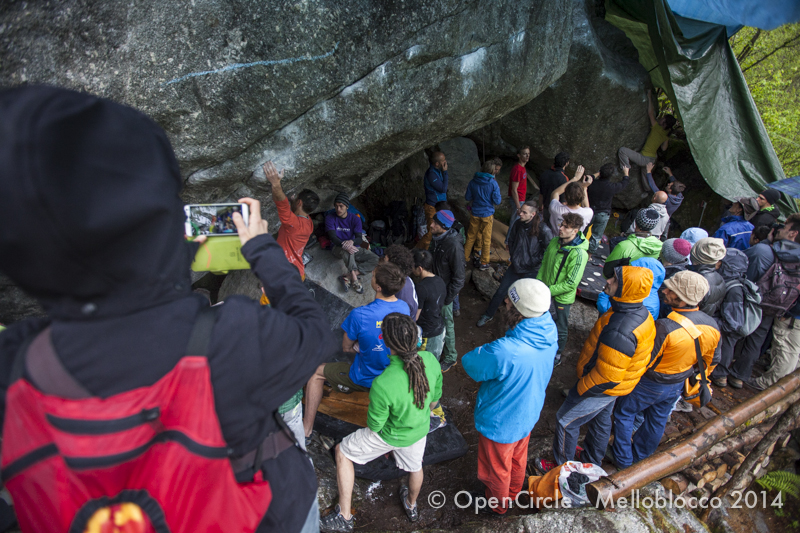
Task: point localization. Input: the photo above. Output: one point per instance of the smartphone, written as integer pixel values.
(214, 220)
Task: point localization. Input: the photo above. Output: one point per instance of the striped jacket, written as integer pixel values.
(618, 349)
(562, 268)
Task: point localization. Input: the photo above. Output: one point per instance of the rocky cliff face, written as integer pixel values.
(336, 92)
(598, 105)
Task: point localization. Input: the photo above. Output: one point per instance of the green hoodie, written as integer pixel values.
(636, 248)
(392, 413)
(563, 282)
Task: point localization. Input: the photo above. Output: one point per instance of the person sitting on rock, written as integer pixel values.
(399, 255)
(448, 264)
(513, 373)
(707, 255)
(435, 184)
(344, 231)
(601, 193)
(639, 243)
(657, 138)
(673, 359)
(575, 200)
(484, 193)
(564, 261)
(432, 292)
(735, 229)
(362, 336)
(527, 242)
(674, 188)
(613, 358)
(397, 421)
(768, 212)
(550, 180)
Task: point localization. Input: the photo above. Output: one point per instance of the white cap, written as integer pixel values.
(531, 297)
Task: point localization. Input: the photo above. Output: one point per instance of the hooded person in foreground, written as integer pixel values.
(160, 402)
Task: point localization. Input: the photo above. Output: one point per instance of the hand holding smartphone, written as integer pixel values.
(214, 220)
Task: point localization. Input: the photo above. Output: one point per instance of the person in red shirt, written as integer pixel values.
(296, 226)
(518, 185)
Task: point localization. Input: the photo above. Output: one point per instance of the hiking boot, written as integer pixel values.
(543, 466)
(736, 383)
(753, 384)
(565, 392)
(456, 312)
(345, 283)
(448, 366)
(720, 382)
(485, 266)
(485, 509)
(683, 406)
(334, 522)
(357, 286)
(557, 360)
(411, 512)
(483, 320)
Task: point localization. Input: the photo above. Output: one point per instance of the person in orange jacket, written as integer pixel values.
(613, 359)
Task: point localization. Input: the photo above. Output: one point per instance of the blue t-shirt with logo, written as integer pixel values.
(363, 324)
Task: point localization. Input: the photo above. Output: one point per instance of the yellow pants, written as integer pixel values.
(480, 230)
(425, 241)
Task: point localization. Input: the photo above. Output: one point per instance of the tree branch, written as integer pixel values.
(784, 45)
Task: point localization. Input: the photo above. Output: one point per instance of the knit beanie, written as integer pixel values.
(646, 219)
(531, 297)
(342, 198)
(445, 218)
(676, 251)
(690, 287)
(708, 251)
(773, 196)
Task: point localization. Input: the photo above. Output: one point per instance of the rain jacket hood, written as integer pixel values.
(92, 188)
(734, 265)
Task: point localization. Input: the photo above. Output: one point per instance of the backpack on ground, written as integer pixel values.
(779, 287)
(751, 303)
(378, 233)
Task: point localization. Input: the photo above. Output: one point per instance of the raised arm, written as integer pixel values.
(585, 184)
(274, 178)
(650, 180)
(561, 188)
(651, 110)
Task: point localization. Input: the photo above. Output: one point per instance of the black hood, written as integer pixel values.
(89, 191)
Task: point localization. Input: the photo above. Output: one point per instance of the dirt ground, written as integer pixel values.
(383, 512)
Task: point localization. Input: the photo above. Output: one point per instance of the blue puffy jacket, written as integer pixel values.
(735, 232)
(484, 193)
(651, 302)
(435, 184)
(513, 372)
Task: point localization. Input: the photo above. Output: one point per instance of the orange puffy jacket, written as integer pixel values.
(618, 349)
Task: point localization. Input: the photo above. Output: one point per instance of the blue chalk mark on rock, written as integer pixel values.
(237, 66)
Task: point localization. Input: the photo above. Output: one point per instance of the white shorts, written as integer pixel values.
(365, 445)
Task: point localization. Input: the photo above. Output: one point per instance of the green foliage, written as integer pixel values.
(770, 61)
(786, 482)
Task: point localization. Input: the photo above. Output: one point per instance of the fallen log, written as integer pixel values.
(695, 477)
(677, 457)
(676, 484)
(731, 444)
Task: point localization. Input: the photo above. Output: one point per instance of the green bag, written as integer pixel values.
(220, 255)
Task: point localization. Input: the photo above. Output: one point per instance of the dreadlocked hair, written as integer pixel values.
(400, 335)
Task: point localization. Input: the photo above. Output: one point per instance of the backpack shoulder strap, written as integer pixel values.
(47, 372)
(201, 331)
(684, 322)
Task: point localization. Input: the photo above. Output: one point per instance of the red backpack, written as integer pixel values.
(779, 287)
(152, 459)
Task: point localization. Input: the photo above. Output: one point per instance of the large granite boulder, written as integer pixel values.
(334, 92)
(598, 105)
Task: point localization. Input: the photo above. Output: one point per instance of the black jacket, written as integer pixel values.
(602, 192)
(110, 264)
(716, 288)
(526, 252)
(549, 181)
(448, 262)
(765, 218)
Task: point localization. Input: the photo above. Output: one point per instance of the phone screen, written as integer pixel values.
(213, 219)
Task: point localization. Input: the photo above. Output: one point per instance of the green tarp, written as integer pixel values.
(693, 62)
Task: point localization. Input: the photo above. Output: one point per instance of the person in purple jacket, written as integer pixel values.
(344, 230)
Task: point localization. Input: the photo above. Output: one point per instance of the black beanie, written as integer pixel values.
(773, 196)
(342, 198)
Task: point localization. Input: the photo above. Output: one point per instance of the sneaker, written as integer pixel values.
(483, 320)
(336, 522)
(557, 361)
(753, 384)
(485, 266)
(411, 512)
(344, 389)
(543, 466)
(485, 509)
(736, 383)
(457, 312)
(307, 258)
(357, 286)
(314, 435)
(448, 366)
(345, 283)
(683, 406)
(720, 382)
(565, 392)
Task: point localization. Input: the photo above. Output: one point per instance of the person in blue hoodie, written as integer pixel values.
(735, 229)
(484, 193)
(435, 184)
(513, 372)
(652, 302)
